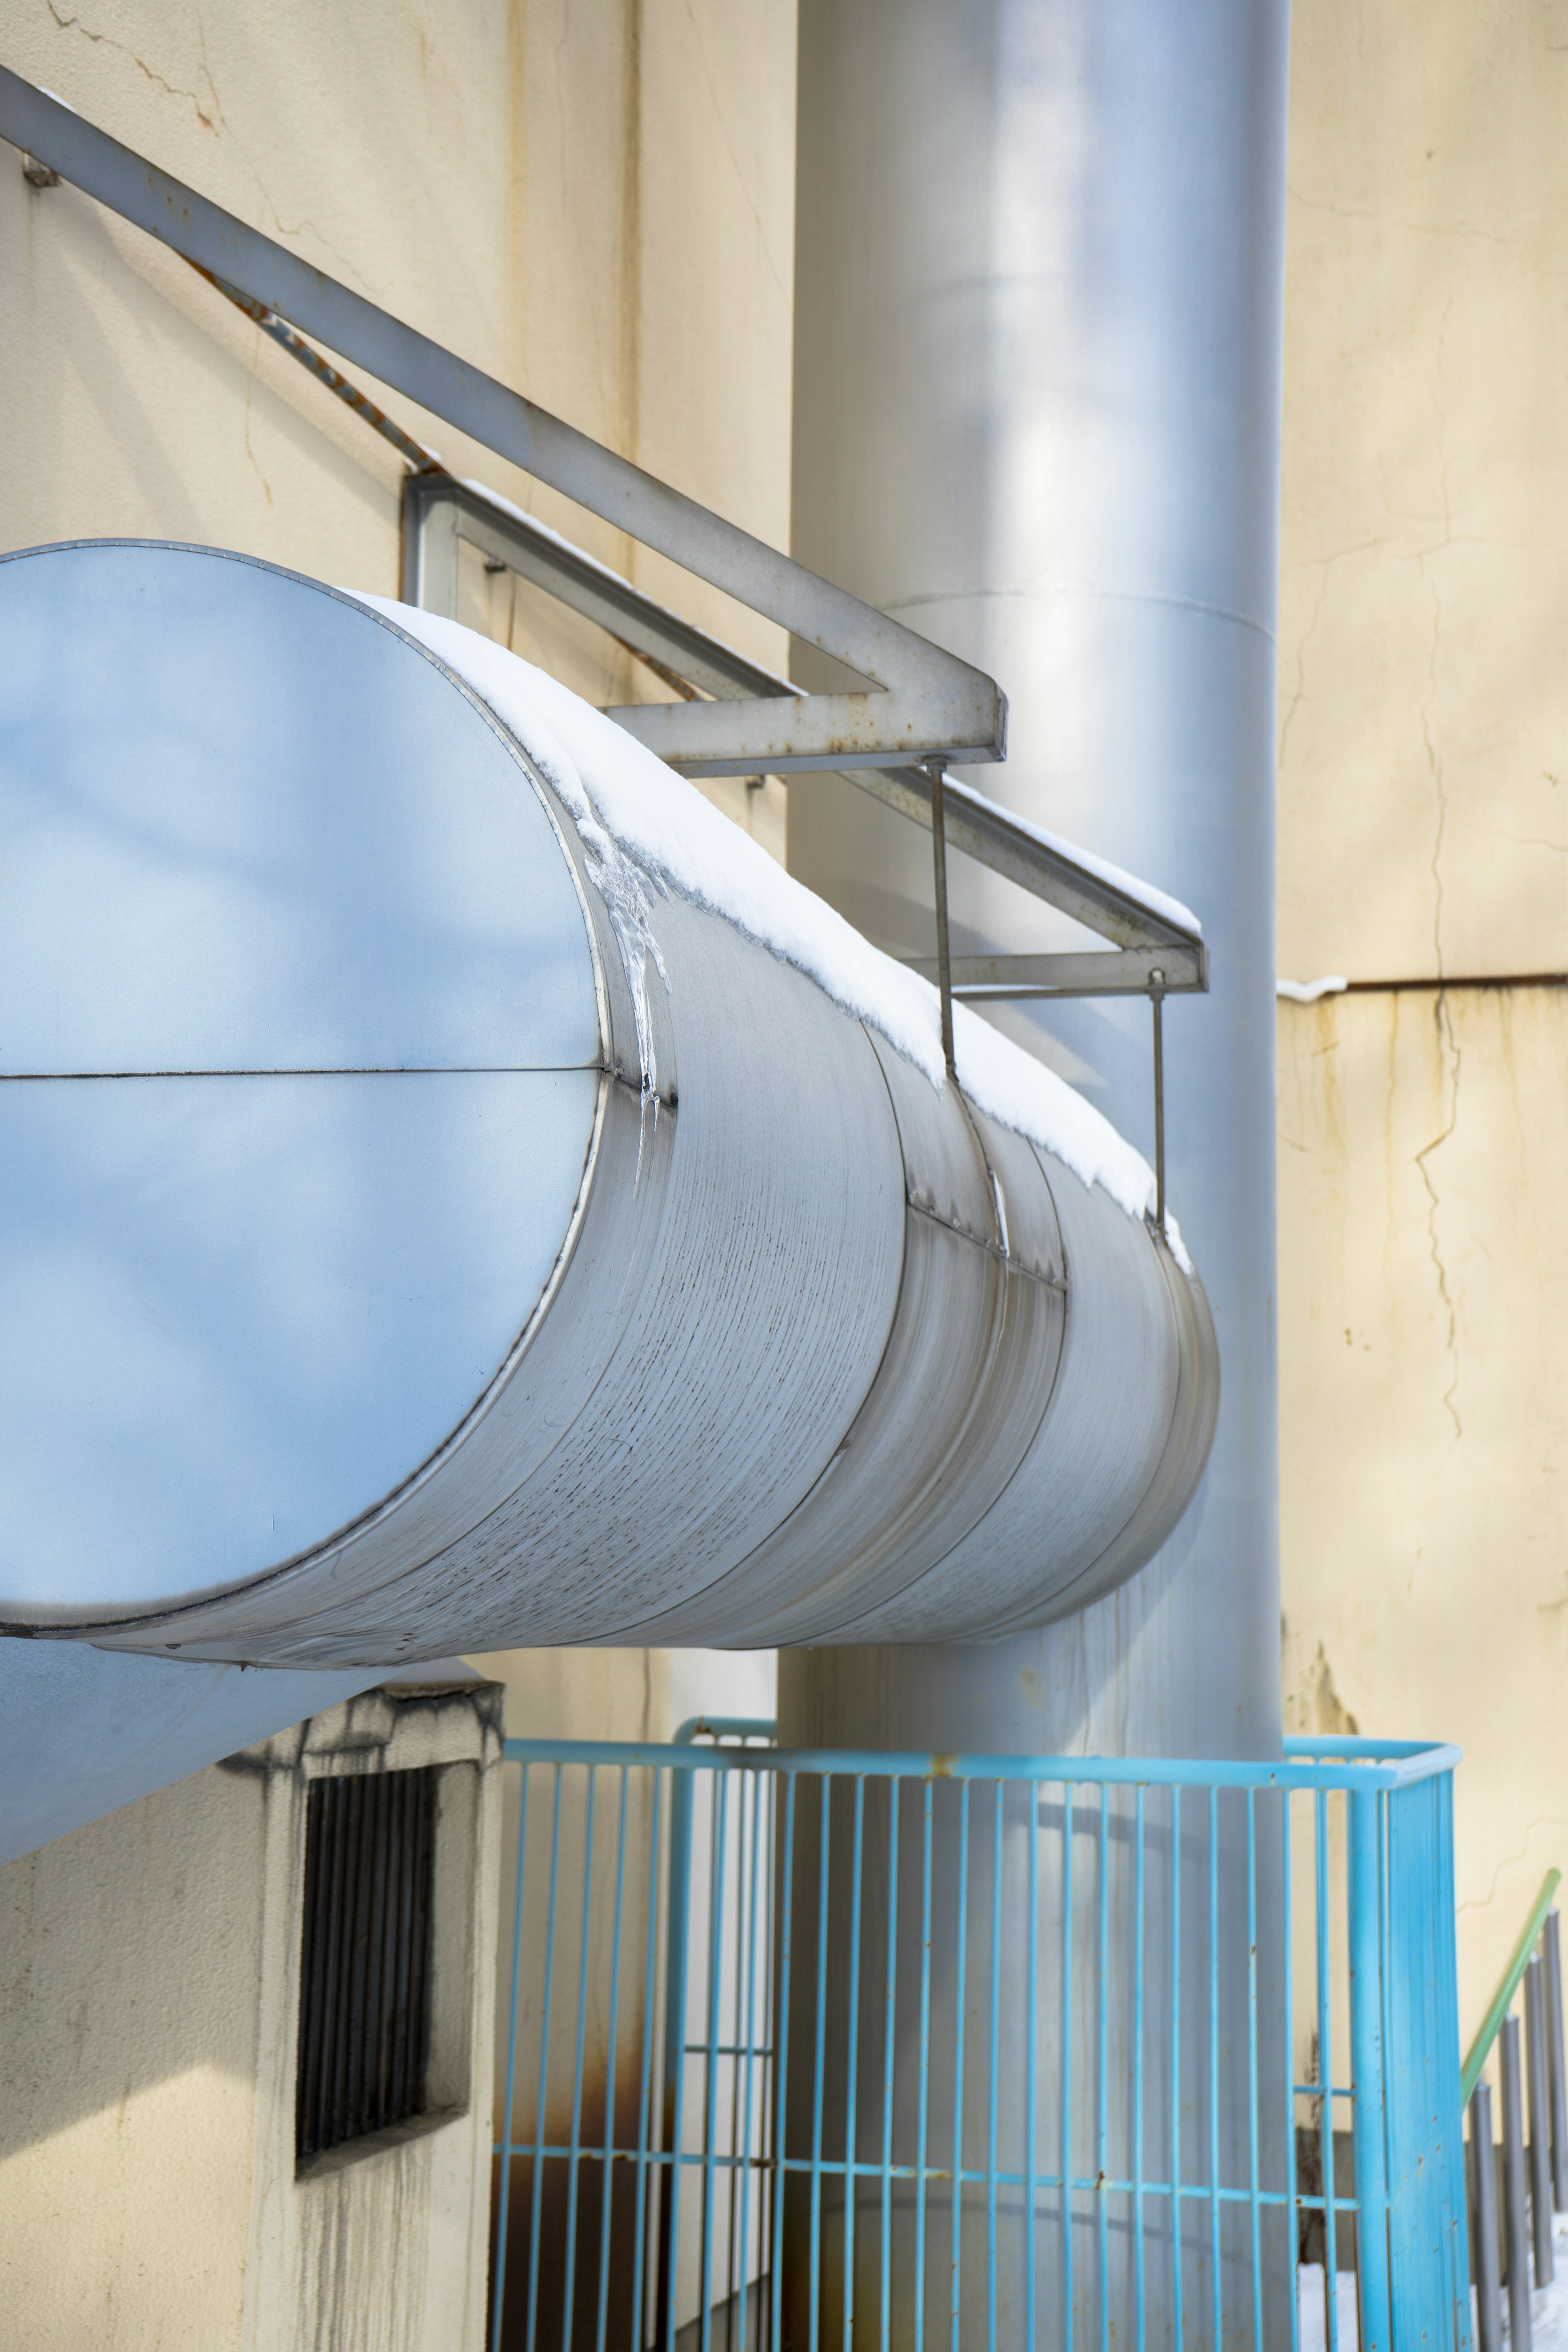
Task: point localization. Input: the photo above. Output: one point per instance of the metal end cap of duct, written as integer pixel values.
(298, 1069)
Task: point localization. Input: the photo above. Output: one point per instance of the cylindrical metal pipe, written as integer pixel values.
(1536, 2078)
(1515, 2191)
(1038, 285)
(1366, 2068)
(1552, 1947)
(1484, 2222)
(430, 1230)
(1037, 337)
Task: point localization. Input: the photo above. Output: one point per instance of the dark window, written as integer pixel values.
(364, 1982)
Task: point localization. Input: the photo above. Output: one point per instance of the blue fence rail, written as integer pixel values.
(824, 2052)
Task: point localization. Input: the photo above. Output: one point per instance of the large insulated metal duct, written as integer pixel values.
(373, 1289)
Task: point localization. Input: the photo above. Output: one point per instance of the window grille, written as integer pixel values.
(365, 1966)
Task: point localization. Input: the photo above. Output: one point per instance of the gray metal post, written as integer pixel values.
(1552, 1947)
(1483, 2264)
(1540, 2119)
(1516, 2233)
(944, 954)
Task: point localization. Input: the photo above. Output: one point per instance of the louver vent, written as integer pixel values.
(364, 1984)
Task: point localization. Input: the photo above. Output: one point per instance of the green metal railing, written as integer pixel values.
(1502, 1999)
(1511, 2231)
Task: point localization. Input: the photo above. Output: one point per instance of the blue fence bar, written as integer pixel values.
(883, 2053)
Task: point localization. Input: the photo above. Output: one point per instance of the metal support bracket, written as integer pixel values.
(734, 716)
(922, 699)
(944, 959)
(440, 512)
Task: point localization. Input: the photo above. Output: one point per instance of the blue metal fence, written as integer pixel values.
(811, 2050)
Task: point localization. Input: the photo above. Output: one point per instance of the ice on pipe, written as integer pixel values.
(642, 824)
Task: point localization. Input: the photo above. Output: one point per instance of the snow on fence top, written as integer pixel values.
(629, 806)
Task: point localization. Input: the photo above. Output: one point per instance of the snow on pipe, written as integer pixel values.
(462, 1193)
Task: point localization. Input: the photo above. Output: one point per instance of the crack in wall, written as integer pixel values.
(1508, 1861)
(1444, 1021)
(734, 160)
(250, 379)
(1442, 1015)
(170, 89)
(1325, 565)
(217, 122)
(1435, 767)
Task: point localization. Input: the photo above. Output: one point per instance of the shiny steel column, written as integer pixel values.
(1038, 285)
(1038, 288)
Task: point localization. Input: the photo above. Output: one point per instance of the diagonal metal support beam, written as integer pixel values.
(923, 699)
(1153, 954)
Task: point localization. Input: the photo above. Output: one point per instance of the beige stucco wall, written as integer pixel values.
(593, 201)
(1424, 752)
(149, 2005)
(129, 1957)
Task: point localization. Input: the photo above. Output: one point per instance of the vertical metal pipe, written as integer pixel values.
(851, 2137)
(1139, 1891)
(541, 2107)
(503, 2217)
(1293, 2211)
(1064, 2089)
(1031, 2057)
(784, 1878)
(1483, 2222)
(1516, 2233)
(961, 1954)
(1102, 2071)
(574, 2145)
(993, 2102)
(1366, 2065)
(1540, 2119)
(1039, 274)
(1174, 2061)
(825, 1836)
(645, 2098)
(1038, 280)
(1252, 2173)
(889, 2046)
(676, 1932)
(1325, 2058)
(1157, 1002)
(606, 2175)
(1215, 2163)
(943, 952)
(921, 2149)
(1552, 1947)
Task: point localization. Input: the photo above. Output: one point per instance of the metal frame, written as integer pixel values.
(1391, 1974)
(1149, 955)
(926, 707)
(1151, 951)
(923, 699)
